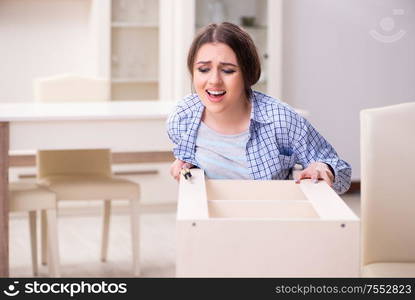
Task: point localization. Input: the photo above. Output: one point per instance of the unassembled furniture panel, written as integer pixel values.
(264, 229)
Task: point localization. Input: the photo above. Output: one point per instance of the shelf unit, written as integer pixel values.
(134, 49)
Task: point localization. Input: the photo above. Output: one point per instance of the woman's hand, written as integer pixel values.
(177, 166)
(316, 171)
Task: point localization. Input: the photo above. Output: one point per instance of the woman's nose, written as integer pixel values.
(215, 77)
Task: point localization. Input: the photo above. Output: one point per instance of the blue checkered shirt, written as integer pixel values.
(279, 138)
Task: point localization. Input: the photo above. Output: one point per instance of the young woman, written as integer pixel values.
(233, 132)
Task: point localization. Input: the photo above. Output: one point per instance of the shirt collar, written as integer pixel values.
(258, 112)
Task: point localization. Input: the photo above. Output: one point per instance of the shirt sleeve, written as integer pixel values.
(175, 129)
(310, 146)
(177, 133)
(173, 123)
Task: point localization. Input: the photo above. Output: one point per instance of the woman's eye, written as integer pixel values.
(228, 71)
(203, 70)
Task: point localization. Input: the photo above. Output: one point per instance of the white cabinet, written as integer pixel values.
(134, 49)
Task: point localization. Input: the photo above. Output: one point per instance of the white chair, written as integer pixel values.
(71, 88)
(85, 174)
(29, 197)
(388, 195)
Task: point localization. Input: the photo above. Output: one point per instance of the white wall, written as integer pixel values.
(333, 67)
(42, 38)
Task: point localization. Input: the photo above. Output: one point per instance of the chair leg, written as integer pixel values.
(135, 232)
(52, 243)
(33, 241)
(105, 229)
(43, 236)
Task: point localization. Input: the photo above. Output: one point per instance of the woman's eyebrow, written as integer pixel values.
(228, 64)
(222, 63)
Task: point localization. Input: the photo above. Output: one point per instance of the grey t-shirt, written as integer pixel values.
(222, 156)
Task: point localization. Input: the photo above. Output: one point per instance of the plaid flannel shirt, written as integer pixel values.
(279, 138)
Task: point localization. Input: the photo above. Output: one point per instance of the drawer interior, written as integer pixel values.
(261, 209)
(254, 189)
(258, 199)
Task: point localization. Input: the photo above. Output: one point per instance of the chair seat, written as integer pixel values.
(87, 187)
(389, 270)
(25, 196)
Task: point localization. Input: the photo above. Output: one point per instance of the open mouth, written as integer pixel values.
(215, 94)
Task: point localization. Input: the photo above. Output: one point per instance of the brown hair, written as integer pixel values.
(239, 41)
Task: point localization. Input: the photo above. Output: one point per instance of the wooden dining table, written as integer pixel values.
(118, 125)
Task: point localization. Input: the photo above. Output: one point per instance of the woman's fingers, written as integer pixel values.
(315, 176)
(172, 170)
(304, 174)
(177, 166)
(176, 173)
(187, 165)
(327, 179)
(315, 172)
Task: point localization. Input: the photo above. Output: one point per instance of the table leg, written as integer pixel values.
(4, 199)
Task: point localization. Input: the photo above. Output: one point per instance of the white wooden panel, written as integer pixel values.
(266, 248)
(326, 202)
(192, 192)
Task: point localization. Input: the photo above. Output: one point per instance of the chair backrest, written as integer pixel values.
(71, 88)
(387, 183)
(71, 162)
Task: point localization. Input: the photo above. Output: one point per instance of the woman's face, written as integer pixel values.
(217, 78)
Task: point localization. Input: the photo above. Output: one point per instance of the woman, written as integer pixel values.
(233, 132)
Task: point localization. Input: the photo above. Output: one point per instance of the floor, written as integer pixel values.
(79, 243)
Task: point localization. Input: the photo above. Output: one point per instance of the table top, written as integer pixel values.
(111, 110)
